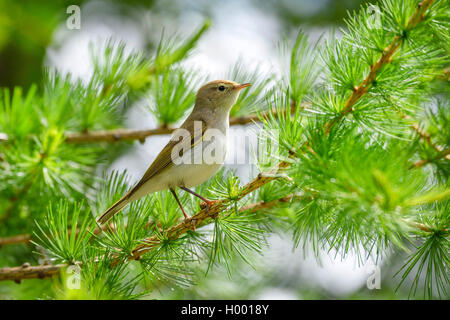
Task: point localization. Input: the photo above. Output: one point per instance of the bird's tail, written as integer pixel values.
(116, 207)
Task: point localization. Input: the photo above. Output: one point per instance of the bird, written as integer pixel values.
(184, 163)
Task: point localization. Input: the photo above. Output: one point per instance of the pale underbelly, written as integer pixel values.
(183, 174)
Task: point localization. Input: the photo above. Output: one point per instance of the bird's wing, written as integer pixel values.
(164, 158)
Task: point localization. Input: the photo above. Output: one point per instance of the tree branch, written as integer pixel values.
(30, 272)
(130, 134)
(116, 135)
(46, 271)
(420, 163)
(253, 207)
(415, 126)
(385, 58)
(21, 238)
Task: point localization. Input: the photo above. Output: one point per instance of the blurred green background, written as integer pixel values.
(28, 27)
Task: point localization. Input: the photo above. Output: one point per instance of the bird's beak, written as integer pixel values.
(242, 86)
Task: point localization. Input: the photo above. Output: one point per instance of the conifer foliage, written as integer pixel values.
(363, 142)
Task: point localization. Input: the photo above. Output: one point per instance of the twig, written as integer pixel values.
(415, 126)
(422, 227)
(198, 218)
(385, 58)
(25, 238)
(425, 136)
(253, 207)
(21, 238)
(46, 271)
(420, 163)
(116, 135)
(30, 272)
(445, 75)
(130, 134)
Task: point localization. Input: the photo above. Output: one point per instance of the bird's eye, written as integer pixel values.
(221, 88)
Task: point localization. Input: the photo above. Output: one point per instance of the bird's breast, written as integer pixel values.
(203, 161)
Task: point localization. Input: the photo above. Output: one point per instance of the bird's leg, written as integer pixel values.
(181, 206)
(208, 202)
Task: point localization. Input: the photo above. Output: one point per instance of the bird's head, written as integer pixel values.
(219, 94)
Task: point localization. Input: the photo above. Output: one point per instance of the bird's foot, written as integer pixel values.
(208, 204)
(188, 222)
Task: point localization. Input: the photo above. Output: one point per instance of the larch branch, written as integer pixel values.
(130, 134)
(30, 272)
(385, 58)
(46, 271)
(21, 238)
(420, 163)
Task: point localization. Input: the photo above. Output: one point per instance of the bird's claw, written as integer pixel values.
(207, 205)
(189, 223)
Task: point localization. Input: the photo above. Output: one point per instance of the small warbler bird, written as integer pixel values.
(205, 129)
